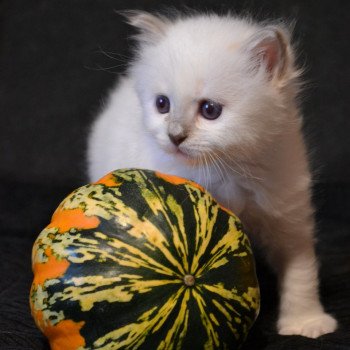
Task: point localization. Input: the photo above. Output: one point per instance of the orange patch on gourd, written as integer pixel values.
(108, 180)
(65, 335)
(50, 269)
(65, 219)
(177, 180)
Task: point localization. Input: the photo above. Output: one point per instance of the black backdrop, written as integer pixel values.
(58, 58)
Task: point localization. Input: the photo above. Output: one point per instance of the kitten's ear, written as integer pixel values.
(270, 48)
(151, 27)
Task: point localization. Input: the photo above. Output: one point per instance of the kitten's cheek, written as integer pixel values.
(166, 144)
(169, 148)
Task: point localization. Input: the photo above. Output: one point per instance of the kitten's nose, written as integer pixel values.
(177, 139)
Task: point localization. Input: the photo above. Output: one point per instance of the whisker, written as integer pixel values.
(206, 168)
(225, 164)
(246, 173)
(113, 55)
(222, 169)
(106, 69)
(216, 166)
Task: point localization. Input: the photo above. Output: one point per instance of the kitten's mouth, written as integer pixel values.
(187, 157)
(182, 154)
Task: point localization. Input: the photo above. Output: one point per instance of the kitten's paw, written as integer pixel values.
(311, 327)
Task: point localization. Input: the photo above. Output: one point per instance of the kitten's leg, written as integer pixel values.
(293, 256)
(300, 309)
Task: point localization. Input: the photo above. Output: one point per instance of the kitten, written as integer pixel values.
(213, 99)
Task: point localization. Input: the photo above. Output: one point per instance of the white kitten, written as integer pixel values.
(214, 99)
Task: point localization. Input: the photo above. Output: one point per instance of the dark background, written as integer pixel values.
(58, 58)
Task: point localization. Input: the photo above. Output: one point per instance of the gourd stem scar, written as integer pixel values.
(189, 280)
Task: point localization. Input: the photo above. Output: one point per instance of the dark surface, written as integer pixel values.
(57, 60)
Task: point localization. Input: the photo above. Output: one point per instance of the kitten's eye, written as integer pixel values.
(210, 109)
(162, 104)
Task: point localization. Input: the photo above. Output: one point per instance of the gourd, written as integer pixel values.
(143, 260)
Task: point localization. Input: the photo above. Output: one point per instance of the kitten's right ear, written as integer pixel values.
(152, 28)
(270, 47)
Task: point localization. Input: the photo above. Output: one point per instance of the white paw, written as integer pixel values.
(311, 327)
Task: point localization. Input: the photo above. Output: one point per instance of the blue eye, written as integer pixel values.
(162, 104)
(210, 109)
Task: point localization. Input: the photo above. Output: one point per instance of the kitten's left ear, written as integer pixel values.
(151, 27)
(270, 47)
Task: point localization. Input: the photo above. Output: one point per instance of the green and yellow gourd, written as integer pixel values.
(143, 260)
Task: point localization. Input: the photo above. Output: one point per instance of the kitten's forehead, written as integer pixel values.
(197, 50)
(199, 37)
(214, 30)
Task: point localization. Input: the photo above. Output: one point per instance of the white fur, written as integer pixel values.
(252, 158)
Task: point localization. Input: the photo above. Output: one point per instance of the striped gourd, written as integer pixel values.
(143, 260)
